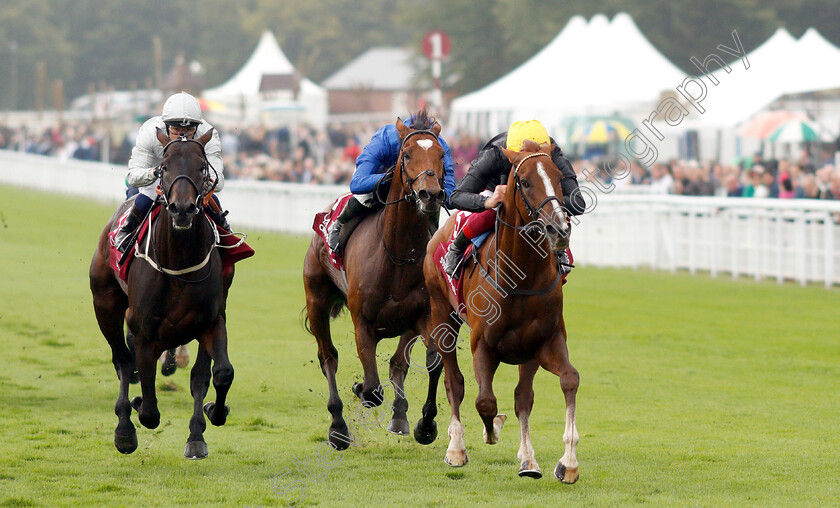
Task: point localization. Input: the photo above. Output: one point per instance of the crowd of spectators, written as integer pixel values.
(306, 155)
(805, 177)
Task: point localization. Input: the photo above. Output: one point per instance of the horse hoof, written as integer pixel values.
(168, 367)
(456, 459)
(530, 471)
(149, 421)
(126, 444)
(136, 402)
(209, 410)
(498, 423)
(425, 434)
(566, 475)
(195, 450)
(339, 437)
(398, 427)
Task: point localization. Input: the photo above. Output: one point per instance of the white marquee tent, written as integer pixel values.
(593, 68)
(780, 66)
(243, 98)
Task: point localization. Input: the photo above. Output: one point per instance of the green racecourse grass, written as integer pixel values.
(693, 391)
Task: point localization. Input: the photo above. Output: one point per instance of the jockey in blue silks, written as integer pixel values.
(376, 159)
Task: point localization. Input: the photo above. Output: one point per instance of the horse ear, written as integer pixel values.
(436, 129)
(511, 155)
(206, 137)
(530, 146)
(401, 128)
(162, 137)
(547, 148)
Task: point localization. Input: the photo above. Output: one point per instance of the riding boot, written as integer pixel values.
(565, 263)
(135, 217)
(453, 255)
(353, 209)
(220, 218)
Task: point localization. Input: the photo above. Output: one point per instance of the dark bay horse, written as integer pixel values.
(384, 288)
(514, 308)
(178, 296)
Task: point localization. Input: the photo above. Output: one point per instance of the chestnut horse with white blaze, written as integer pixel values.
(514, 308)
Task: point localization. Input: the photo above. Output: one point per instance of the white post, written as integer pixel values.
(828, 249)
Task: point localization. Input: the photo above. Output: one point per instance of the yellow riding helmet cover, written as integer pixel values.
(525, 130)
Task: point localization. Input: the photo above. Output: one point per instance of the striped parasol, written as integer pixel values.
(599, 132)
(796, 131)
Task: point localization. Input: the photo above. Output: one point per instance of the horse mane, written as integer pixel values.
(421, 120)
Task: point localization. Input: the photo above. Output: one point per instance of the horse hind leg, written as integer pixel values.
(321, 297)
(485, 364)
(397, 372)
(168, 366)
(199, 383)
(425, 432)
(215, 342)
(524, 402)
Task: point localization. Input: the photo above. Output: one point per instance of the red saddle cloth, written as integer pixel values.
(324, 220)
(232, 248)
(457, 285)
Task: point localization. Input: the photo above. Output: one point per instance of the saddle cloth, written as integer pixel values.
(323, 222)
(232, 249)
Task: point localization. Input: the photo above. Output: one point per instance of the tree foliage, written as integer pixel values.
(86, 42)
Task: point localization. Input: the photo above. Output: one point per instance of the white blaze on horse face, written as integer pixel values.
(549, 192)
(425, 144)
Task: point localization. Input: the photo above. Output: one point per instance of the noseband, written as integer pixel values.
(164, 191)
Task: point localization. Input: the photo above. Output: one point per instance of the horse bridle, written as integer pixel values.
(200, 193)
(533, 213)
(408, 183)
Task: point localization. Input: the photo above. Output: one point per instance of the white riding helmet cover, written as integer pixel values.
(181, 109)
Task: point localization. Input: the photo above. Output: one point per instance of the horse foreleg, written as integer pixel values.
(425, 432)
(146, 406)
(554, 357)
(485, 364)
(524, 401)
(397, 372)
(109, 304)
(215, 342)
(199, 383)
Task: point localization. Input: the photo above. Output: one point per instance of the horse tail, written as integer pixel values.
(335, 311)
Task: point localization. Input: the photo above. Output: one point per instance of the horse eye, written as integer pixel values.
(526, 183)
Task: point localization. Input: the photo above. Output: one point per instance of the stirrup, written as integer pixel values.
(334, 236)
(451, 260)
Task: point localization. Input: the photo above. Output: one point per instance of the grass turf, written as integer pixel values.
(694, 391)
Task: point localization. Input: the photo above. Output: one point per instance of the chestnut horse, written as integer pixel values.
(178, 296)
(514, 308)
(384, 288)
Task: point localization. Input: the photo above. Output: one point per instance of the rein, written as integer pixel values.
(164, 198)
(533, 213)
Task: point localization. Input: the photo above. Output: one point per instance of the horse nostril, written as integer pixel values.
(423, 195)
(172, 208)
(440, 196)
(192, 209)
(550, 230)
